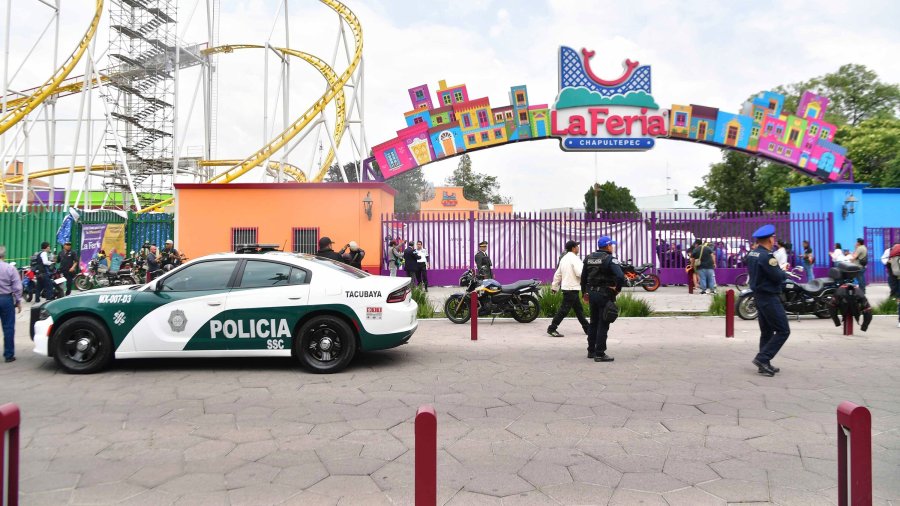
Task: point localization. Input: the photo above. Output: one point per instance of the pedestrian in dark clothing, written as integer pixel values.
(41, 264)
(411, 261)
(766, 278)
(325, 250)
(68, 261)
(601, 280)
(808, 259)
(483, 264)
(356, 255)
(10, 304)
(152, 262)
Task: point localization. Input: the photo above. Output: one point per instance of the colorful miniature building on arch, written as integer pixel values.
(450, 199)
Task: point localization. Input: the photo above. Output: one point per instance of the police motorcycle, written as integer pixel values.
(57, 281)
(99, 276)
(519, 299)
(638, 276)
(798, 298)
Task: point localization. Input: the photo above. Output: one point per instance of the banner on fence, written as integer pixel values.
(107, 237)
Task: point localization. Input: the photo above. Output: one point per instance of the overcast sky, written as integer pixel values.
(704, 52)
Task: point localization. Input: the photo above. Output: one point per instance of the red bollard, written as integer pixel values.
(9, 478)
(473, 314)
(848, 324)
(729, 313)
(855, 462)
(426, 456)
(690, 281)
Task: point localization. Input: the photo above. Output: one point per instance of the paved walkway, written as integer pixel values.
(681, 417)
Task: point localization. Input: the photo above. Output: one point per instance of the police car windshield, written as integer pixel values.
(338, 266)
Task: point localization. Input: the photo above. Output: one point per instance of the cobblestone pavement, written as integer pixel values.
(681, 417)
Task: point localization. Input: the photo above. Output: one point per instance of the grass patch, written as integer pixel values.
(888, 306)
(717, 305)
(630, 305)
(426, 307)
(550, 302)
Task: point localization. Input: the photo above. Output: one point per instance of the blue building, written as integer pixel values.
(733, 129)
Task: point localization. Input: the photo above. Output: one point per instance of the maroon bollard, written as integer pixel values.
(855, 462)
(690, 281)
(848, 324)
(426, 456)
(9, 424)
(729, 313)
(473, 314)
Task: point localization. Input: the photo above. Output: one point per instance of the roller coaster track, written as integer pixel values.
(304, 120)
(23, 107)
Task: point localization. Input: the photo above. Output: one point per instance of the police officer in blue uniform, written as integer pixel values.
(766, 281)
(601, 279)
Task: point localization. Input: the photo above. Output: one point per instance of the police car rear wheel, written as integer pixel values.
(325, 344)
(82, 345)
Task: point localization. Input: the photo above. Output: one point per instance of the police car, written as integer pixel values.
(252, 303)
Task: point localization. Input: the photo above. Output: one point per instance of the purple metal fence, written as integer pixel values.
(528, 245)
(877, 240)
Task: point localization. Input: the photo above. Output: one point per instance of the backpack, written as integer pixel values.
(36, 263)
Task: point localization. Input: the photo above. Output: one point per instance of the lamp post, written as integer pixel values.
(367, 205)
(849, 206)
(596, 188)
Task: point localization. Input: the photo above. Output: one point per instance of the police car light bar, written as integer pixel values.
(256, 248)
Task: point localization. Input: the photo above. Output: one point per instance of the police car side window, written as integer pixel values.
(259, 274)
(299, 276)
(201, 276)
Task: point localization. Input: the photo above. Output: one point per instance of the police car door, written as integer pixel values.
(186, 300)
(267, 301)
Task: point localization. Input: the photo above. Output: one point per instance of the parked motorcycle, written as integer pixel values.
(519, 299)
(58, 281)
(29, 284)
(799, 298)
(638, 276)
(98, 276)
(742, 280)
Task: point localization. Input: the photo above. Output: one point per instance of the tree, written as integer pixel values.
(411, 187)
(479, 187)
(334, 174)
(610, 197)
(741, 182)
(874, 148)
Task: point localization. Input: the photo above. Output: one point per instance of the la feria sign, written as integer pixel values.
(595, 114)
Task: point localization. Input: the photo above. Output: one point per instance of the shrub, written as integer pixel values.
(426, 307)
(887, 306)
(717, 305)
(550, 303)
(630, 305)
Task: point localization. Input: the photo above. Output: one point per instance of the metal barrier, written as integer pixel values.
(473, 313)
(848, 323)
(9, 454)
(854, 455)
(729, 313)
(426, 456)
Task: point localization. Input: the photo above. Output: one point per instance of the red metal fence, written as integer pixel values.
(528, 245)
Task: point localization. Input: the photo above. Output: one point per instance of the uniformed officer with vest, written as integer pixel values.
(766, 281)
(601, 279)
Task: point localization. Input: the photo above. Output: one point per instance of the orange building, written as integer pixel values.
(450, 198)
(212, 218)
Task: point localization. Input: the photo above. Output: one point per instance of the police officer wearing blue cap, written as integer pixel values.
(766, 281)
(601, 279)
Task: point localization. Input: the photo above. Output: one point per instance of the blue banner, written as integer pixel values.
(611, 143)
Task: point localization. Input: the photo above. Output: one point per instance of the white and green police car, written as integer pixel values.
(264, 303)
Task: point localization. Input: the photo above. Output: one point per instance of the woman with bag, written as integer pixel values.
(395, 258)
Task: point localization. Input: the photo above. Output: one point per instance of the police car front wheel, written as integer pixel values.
(325, 344)
(82, 345)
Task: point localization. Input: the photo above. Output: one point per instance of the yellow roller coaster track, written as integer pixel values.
(23, 107)
(304, 120)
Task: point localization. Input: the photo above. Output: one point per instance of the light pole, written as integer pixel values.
(596, 188)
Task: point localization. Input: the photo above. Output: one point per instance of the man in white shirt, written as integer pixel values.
(781, 256)
(568, 278)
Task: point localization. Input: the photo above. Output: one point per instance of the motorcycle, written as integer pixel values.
(58, 282)
(798, 298)
(99, 276)
(742, 280)
(638, 276)
(518, 299)
(29, 284)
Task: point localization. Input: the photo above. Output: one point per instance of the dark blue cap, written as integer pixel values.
(764, 231)
(605, 241)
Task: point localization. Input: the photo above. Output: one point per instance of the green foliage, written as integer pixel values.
(874, 148)
(410, 186)
(426, 307)
(717, 305)
(550, 303)
(741, 182)
(334, 174)
(610, 197)
(481, 188)
(630, 305)
(888, 306)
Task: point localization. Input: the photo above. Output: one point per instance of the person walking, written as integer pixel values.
(568, 278)
(40, 264)
(10, 304)
(808, 260)
(483, 264)
(766, 279)
(411, 261)
(601, 279)
(860, 257)
(704, 260)
(422, 265)
(395, 257)
(68, 260)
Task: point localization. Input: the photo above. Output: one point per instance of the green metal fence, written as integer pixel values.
(22, 233)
